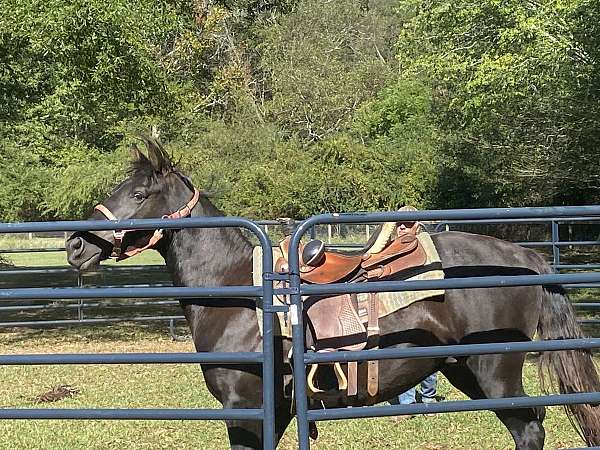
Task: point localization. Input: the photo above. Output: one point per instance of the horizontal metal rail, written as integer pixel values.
(576, 266)
(133, 358)
(89, 321)
(88, 305)
(582, 285)
(586, 305)
(132, 414)
(164, 292)
(516, 220)
(33, 250)
(454, 406)
(440, 351)
(557, 244)
(133, 224)
(52, 270)
(447, 283)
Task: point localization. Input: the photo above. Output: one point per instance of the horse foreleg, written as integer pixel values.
(244, 434)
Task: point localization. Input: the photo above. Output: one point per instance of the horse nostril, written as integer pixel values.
(77, 243)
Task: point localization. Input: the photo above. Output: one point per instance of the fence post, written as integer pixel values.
(329, 233)
(555, 247)
(299, 366)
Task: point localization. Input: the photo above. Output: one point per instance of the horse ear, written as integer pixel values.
(158, 157)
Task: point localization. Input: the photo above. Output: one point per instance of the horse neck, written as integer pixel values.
(208, 257)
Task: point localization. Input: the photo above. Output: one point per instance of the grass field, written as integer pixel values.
(174, 386)
(28, 259)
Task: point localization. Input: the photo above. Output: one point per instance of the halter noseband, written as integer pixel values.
(119, 235)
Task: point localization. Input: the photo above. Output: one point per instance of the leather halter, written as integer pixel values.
(119, 235)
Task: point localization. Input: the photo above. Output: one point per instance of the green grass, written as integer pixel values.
(173, 386)
(16, 241)
(60, 259)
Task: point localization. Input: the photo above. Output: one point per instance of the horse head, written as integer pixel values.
(153, 189)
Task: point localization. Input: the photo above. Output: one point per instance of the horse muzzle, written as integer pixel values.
(84, 253)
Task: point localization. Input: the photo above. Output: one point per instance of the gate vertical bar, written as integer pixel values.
(268, 367)
(555, 247)
(298, 339)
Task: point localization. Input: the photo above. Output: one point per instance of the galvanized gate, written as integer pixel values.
(266, 414)
(301, 358)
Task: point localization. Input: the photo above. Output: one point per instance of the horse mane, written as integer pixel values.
(158, 159)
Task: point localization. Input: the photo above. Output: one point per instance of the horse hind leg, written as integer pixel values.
(499, 376)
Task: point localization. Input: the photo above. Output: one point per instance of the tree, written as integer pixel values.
(322, 61)
(511, 84)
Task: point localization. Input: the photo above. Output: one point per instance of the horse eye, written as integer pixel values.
(139, 196)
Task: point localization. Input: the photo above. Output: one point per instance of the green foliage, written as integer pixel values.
(297, 107)
(84, 66)
(511, 83)
(323, 60)
(72, 75)
(398, 123)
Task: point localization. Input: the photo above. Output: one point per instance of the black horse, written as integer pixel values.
(219, 257)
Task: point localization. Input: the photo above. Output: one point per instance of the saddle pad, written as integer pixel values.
(389, 301)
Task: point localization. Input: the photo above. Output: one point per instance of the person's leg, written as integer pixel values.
(429, 388)
(408, 397)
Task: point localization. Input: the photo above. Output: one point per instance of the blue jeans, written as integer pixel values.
(428, 391)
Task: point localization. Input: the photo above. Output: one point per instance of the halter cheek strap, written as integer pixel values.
(119, 235)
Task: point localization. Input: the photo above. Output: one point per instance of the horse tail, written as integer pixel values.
(568, 371)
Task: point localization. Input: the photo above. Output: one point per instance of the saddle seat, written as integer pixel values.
(391, 252)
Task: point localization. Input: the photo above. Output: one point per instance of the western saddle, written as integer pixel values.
(350, 321)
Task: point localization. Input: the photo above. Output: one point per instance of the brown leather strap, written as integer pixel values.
(352, 378)
(156, 236)
(373, 336)
(187, 208)
(104, 210)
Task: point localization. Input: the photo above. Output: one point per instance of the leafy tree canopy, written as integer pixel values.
(296, 107)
